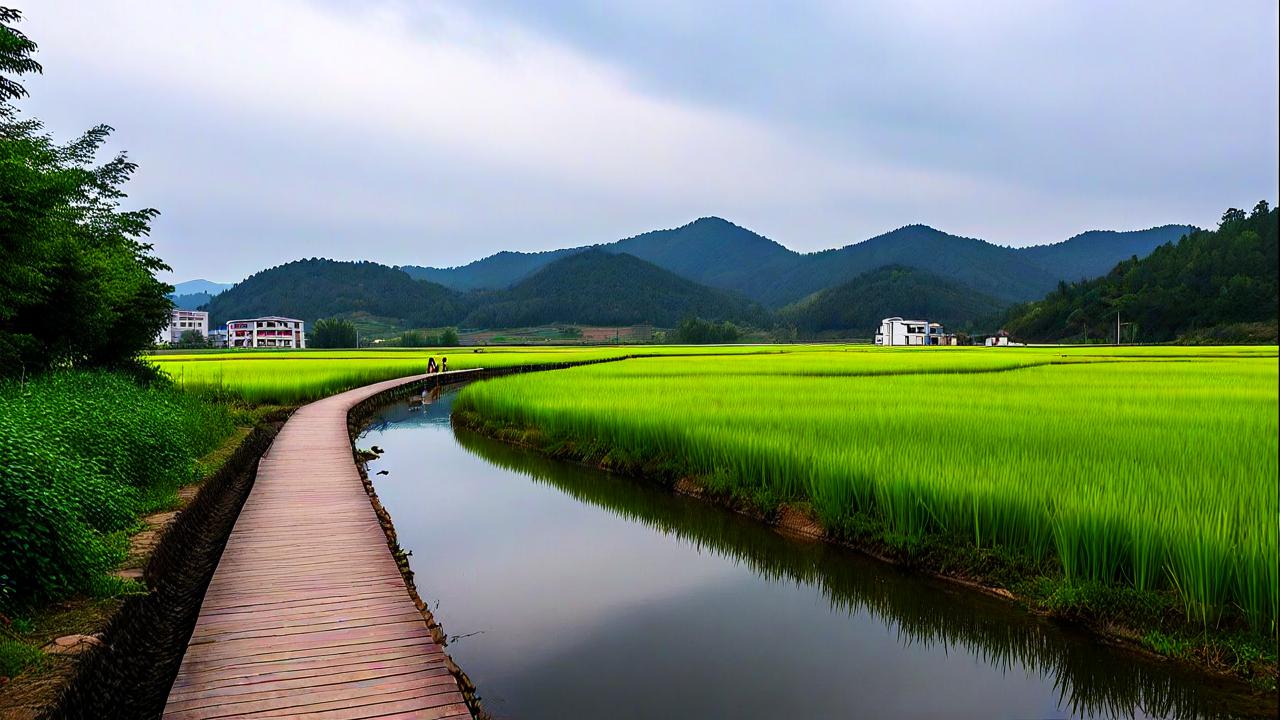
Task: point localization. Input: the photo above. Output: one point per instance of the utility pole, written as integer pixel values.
(1117, 327)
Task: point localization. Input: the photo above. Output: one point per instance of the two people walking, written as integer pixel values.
(432, 367)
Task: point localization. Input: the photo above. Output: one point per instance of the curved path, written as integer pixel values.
(307, 613)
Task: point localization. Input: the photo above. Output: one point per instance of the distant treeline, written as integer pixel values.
(1212, 285)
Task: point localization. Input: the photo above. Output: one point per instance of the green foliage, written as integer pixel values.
(857, 307)
(81, 454)
(78, 286)
(16, 656)
(191, 340)
(600, 288)
(332, 333)
(15, 55)
(1208, 281)
(696, 331)
(449, 337)
(1143, 469)
(316, 288)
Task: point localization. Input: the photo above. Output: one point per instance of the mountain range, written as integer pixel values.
(710, 268)
(717, 253)
(192, 294)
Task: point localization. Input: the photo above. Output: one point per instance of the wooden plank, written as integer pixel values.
(307, 613)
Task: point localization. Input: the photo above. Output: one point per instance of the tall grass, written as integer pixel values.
(81, 455)
(1149, 467)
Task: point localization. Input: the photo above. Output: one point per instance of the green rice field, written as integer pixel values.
(296, 376)
(1153, 468)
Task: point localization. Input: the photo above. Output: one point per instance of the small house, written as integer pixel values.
(896, 331)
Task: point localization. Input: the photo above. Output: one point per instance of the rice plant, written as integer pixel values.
(1149, 467)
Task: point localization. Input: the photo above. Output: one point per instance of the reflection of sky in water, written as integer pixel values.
(584, 613)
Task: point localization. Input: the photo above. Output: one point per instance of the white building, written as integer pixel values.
(1001, 339)
(181, 321)
(270, 331)
(896, 331)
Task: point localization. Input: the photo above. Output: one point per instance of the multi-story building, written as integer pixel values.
(271, 331)
(896, 331)
(181, 321)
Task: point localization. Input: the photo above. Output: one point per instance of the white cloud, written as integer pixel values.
(438, 132)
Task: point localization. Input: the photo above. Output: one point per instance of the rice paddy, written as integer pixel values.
(296, 376)
(1152, 468)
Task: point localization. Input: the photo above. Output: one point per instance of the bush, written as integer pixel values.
(81, 455)
(695, 330)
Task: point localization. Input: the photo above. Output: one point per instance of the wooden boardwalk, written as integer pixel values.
(307, 614)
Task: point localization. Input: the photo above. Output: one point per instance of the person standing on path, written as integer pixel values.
(431, 365)
(444, 364)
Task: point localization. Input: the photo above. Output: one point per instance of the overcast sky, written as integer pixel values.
(437, 133)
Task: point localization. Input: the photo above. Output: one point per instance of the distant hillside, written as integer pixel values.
(495, 272)
(1204, 285)
(594, 287)
(190, 301)
(715, 252)
(1093, 254)
(191, 287)
(856, 308)
(313, 289)
(988, 268)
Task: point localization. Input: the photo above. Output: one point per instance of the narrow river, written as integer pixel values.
(572, 593)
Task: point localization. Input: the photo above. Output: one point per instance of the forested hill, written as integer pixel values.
(1093, 254)
(316, 288)
(987, 268)
(594, 287)
(855, 308)
(1211, 284)
(498, 271)
(717, 253)
(710, 250)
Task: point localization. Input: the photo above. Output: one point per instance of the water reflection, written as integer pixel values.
(666, 606)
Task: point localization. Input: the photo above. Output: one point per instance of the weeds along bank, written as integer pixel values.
(295, 377)
(82, 456)
(1148, 468)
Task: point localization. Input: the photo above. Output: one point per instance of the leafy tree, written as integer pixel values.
(78, 286)
(449, 337)
(191, 340)
(696, 331)
(333, 333)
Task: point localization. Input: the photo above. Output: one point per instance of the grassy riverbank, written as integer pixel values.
(1135, 485)
(83, 456)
